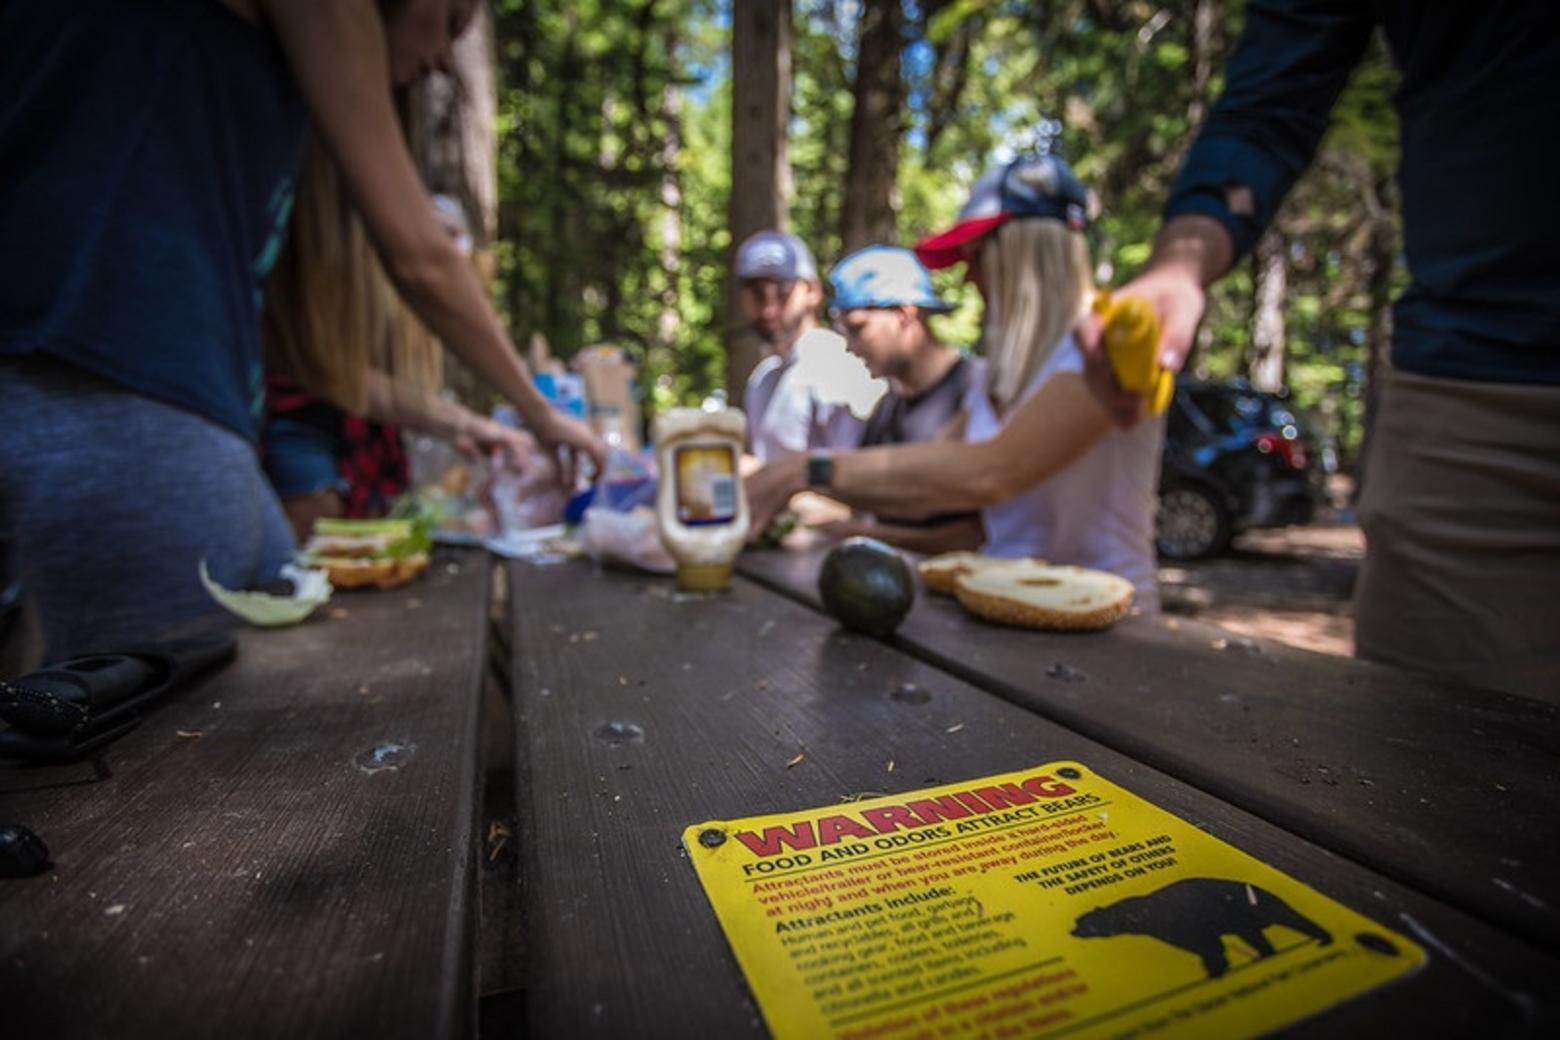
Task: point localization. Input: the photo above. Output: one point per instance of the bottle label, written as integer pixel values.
(706, 485)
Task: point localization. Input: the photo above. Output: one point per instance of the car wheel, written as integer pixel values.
(1191, 524)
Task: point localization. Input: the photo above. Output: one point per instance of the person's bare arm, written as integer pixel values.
(390, 401)
(1198, 246)
(951, 536)
(1049, 431)
(338, 55)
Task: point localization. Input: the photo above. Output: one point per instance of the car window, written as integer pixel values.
(1229, 409)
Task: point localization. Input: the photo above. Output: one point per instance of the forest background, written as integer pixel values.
(613, 150)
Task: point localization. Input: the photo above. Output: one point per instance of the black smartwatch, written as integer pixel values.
(820, 469)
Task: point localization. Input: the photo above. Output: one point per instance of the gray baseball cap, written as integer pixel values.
(778, 255)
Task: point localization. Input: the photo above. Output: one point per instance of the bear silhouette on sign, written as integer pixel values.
(1195, 915)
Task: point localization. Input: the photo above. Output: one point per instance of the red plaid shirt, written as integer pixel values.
(369, 456)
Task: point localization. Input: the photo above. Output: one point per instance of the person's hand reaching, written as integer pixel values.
(568, 437)
(769, 488)
(483, 438)
(1178, 299)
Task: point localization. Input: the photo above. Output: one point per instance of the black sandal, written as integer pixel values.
(64, 711)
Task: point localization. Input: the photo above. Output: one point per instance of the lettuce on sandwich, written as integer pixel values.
(368, 553)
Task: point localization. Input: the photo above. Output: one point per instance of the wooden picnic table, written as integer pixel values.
(1451, 790)
(641, 712)
(285, 848)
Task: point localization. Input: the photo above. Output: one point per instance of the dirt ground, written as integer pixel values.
(1290, 584)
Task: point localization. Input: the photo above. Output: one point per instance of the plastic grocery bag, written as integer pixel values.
(620, 525)
(631, 539)
(524, 495)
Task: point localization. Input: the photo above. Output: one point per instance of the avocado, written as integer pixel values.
(868, 586)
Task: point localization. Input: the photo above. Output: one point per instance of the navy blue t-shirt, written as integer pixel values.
(148, 150)
(914, 420)
(1479, 109)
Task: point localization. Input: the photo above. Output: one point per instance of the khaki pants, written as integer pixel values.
(1461, 513)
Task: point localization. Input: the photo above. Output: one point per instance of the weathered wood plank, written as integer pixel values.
(298, 863)
(640, 712)
(1451, 790)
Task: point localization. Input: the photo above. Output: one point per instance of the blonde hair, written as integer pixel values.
(331, 313)
(1038, 285)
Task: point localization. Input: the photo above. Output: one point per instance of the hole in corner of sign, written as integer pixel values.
(712, 837)
(1069, 773)
(620, 732)
(910, 693)
(392, 754)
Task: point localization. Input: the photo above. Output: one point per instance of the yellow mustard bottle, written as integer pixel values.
(700, 505)
(1131, 336)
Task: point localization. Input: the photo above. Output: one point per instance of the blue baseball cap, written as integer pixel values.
(1029, 186)
(778, 255)
(883, 276)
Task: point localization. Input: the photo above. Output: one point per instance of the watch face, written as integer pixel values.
(820, 470)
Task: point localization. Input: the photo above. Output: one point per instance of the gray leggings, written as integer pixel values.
(112, 499)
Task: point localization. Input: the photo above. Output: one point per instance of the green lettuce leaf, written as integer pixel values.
(312, 591)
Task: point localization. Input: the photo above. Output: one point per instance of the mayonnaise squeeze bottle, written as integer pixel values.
(700, 505)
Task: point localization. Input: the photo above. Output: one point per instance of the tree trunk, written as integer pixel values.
(667, 323)
(455, 116)
(516, 25)
(604, 280)
(1202, 42)
(564, 288)
(760, 174)
(453, 137)
(950, 70)
(1265, 362)
(1202, 62)
(868, 212)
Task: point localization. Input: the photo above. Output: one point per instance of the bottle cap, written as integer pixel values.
(704, 577)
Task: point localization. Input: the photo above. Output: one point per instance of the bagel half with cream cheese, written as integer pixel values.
(941, 573)
(1045, 596)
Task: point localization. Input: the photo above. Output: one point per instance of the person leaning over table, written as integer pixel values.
(807, 392)
(348, 366)
(882, 299)
(147, 159)
(1039, 457)
(1461, 483)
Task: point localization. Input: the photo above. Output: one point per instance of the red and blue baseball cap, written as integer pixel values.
(1029, 186)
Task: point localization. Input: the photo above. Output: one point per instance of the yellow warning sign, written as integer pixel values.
(1044, 903)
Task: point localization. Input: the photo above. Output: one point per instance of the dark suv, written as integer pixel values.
(1235, 458)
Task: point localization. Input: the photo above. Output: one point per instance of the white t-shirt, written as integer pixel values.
(818, 397)
(1098, 512)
